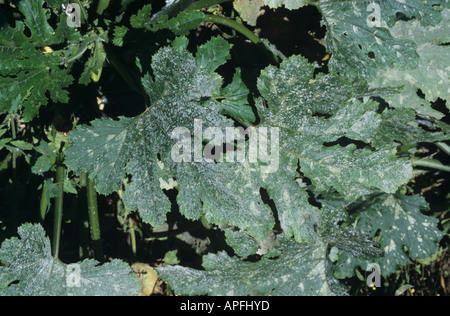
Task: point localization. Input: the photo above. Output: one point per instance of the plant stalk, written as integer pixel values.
(431, 163)
(57, 227)
(244, 31)
(444, 147)
(94, 221)
(13, 154)
(44, 203)
(82, 219)
(132, 236)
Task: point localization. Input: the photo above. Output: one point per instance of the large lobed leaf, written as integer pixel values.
(297, 104)
(328, 134)
(28, 269)
(308, 120)
(289, 269)
(431, 76)
(359, 34)
(24, 70)
(404, 233)
(183, 89)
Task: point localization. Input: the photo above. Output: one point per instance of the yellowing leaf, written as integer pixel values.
(148, 277)
(249, 10)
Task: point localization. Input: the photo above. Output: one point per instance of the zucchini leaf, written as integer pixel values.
(26, 69)
(28, 269)
(290, 269)
(397, 223)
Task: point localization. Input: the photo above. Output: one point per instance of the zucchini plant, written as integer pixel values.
(304, 167)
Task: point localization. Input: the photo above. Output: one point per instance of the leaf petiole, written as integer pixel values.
(94, 220)
(431, 163)
(444, 147)
(244, 31)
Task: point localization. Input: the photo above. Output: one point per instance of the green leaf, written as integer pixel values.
(28, 269)
(290, 269)
(23, 145)
(213, 54)
(242, 243)
(181, 24)
(249, 10)
(26, 71)
(141, 19)
(235, 100)
(50, 191)
(297, 104)
(36, 21)
(4, 141)
(432, 73)
(289, 4)
(94, 66)
(399, 126)
(353, 241)
(359, 34)
(404, 233)
(180, 93)
(102, 6)
(172, 9)
(119, 34)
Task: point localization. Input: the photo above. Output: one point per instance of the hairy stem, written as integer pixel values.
(94, 221)
(57, 227)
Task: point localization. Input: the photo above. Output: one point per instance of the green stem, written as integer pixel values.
(14, 136)
(94, 221)
(83, 179)
(14, 155)
(244, 31)
(444, 147)
(57, 227)
(204, 4)
(82, 219)
(133, 236)
(431, 163)
(44, 203)
(102, 5)
(78, 55)
(234, 25)
(129, 226)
